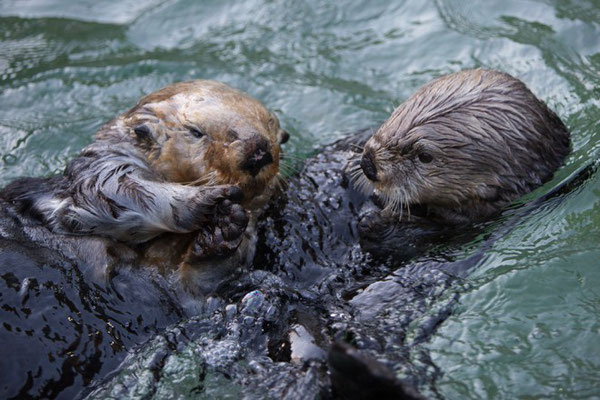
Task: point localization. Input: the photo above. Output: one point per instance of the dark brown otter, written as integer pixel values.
(463, 147)
(179, 179)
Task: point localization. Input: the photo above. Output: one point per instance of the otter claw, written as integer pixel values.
(210, 203)
(215, 244)
(371, 224)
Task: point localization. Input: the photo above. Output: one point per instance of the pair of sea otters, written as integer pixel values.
(179, 181)
(177, 184)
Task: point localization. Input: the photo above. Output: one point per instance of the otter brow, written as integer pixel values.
(142, 110)
(406, 149)
(408, 146)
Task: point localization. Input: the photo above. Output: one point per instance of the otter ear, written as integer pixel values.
(283, 136)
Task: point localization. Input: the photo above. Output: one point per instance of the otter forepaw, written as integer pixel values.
(210, 204)
(373, 224)
(223, 237)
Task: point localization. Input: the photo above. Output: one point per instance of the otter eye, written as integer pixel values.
(284, 137)
(197, 132)
(142, 131)
(425, 158)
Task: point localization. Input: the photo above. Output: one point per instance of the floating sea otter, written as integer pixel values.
(463, 147)
(178, 180)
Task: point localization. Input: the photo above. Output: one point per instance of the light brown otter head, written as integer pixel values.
(464, 146)
(206, 133)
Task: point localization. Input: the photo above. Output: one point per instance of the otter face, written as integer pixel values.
(206, 133)
(426, 165)
(463, 146)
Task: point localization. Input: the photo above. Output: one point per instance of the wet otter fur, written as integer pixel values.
(461, 148)
(176, 182)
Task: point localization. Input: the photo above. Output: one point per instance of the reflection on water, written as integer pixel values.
(527, 323)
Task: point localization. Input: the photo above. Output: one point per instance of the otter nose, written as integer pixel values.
(368, 166)
(258, 156)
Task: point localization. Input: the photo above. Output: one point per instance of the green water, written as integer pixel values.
(529, 321)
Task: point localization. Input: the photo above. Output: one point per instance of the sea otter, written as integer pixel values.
(176, 181)
(460, 149)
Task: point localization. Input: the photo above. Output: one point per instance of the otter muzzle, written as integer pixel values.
(368, 166)
(258, 157)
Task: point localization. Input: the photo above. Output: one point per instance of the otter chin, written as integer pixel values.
(461, 148)
(179, 180)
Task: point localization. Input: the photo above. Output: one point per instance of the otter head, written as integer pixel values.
(463, 146)
(207, 133)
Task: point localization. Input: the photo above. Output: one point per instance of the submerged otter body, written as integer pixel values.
(463, 147)
(176, 182)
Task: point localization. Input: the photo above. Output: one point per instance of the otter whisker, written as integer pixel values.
(363, 186)
(288, 167)
(359, 180)
(281, 178)
(287, 171)
(280, 182)
(291, 157)
(353, 170)
(200, 181)
(401, 207)
(206, 180)
(357, 147)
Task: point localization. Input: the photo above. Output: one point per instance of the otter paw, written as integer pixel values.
(222, 237)
(209, 203)
(373, 224)
(232, 220)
